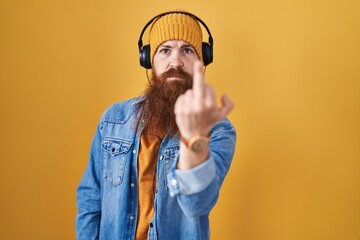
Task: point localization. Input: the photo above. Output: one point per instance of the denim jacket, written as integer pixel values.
(107, 197)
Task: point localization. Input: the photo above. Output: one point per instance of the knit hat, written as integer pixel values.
(175, 26)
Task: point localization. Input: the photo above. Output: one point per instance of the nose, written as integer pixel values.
(176, 60)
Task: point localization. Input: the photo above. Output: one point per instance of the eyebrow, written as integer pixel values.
(187, 46)
(183, 46)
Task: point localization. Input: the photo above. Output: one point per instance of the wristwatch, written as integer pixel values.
(197, 144)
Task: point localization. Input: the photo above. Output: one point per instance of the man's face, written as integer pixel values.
(174, 54)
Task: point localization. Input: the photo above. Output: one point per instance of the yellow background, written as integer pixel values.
(291, 67)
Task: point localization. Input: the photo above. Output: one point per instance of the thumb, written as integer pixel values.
(227, 106)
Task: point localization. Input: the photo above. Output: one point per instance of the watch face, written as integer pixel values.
(199, 145)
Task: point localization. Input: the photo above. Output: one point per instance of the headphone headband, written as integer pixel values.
(144, 51)
(140, 43)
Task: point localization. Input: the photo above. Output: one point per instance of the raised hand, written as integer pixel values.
(196, 110)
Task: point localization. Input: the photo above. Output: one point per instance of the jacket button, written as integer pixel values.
(131, 218)
(132, 185)
(173, 182)
(151, 225)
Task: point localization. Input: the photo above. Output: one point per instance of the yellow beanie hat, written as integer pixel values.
(175, 26)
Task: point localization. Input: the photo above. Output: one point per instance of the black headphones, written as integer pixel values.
(144, 51)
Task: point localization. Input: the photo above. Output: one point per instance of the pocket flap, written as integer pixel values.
(116, 146)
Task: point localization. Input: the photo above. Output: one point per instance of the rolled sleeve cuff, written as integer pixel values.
(193, 180)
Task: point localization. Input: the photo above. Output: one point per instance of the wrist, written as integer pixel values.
(197, 143)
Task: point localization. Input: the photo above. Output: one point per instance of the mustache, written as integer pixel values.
(176, 72)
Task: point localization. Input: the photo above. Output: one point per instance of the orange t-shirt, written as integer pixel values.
(147, 160)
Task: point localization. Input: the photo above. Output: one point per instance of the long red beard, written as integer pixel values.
(160, 97)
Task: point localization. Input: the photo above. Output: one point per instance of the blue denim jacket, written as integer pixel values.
(107, 194)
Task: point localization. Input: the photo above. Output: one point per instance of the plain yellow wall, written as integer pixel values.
(291, 67)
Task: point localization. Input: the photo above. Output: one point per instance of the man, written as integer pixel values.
(157, 162)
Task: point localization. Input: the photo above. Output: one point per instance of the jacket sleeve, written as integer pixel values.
(89, 195)
(197, 189)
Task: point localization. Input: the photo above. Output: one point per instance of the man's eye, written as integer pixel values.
(164, 50)
(188, 50)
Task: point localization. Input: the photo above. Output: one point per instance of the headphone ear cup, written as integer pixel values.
(144, 54)
(207, 53)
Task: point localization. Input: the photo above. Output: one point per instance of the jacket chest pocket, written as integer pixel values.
(116, 153)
